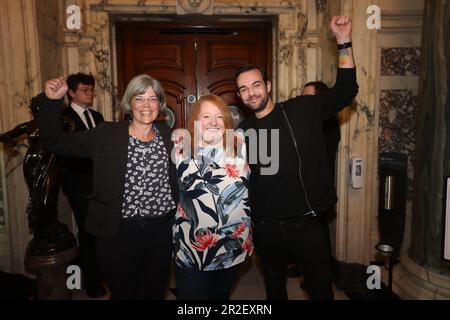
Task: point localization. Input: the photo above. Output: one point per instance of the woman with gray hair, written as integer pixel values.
(135, 191)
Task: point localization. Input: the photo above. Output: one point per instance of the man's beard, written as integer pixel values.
(262, 105)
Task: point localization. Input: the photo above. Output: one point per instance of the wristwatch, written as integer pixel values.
(344, 46)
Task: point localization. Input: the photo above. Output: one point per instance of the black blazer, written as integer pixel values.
(107, 146)
(76, 173)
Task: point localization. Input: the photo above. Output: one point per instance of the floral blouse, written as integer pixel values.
(147, 187)
(212, 230)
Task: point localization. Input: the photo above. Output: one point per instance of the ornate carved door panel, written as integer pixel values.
(191, 60)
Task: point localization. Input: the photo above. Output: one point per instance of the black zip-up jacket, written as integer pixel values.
(107, 146)
(303, 118)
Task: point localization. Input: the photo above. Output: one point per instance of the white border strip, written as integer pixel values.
(447, 223)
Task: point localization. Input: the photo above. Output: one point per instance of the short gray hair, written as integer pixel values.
(139, 85)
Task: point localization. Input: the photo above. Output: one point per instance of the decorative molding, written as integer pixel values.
(138, 8)
(254, 8)
(293, 40)
(415, 15)
(195, 7)
(395, 22)
(401, 30)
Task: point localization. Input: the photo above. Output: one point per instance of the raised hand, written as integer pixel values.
(341, 27)
(55, 88)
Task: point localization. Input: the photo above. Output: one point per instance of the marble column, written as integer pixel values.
(424, 274)
(433, 145)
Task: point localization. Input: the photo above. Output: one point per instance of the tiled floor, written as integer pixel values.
(249, 287)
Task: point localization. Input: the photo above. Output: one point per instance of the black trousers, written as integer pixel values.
(205, 285)
(86, 243)
(303, 239)
(136, 263)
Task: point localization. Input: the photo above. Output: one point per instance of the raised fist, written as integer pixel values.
(55, 88)
(341, 27)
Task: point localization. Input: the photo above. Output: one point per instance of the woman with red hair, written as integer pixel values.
(212, 231)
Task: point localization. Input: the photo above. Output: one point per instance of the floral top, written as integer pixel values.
(212, 230)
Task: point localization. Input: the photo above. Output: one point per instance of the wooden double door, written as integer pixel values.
(191, 60)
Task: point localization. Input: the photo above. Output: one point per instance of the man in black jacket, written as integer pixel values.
(332, 136)
(285, 205)
(77, 176)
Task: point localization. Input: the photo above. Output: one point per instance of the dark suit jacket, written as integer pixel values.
(76, 173)
(107, 146)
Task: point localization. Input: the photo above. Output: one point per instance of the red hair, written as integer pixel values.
(228, 122)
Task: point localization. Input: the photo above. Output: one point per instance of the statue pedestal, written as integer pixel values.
(51, 273)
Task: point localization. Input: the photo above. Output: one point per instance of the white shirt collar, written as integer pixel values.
(80, 111)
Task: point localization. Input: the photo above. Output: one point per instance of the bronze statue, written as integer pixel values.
(41, 171)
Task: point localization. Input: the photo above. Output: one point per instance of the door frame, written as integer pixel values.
(210, 23)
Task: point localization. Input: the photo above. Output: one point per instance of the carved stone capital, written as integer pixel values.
(194, 7)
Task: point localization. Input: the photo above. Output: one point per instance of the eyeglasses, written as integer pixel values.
(86, 90)
(141, 100)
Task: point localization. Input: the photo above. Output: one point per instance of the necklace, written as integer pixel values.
(142, 136)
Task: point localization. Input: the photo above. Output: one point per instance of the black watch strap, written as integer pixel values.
(344, 46)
